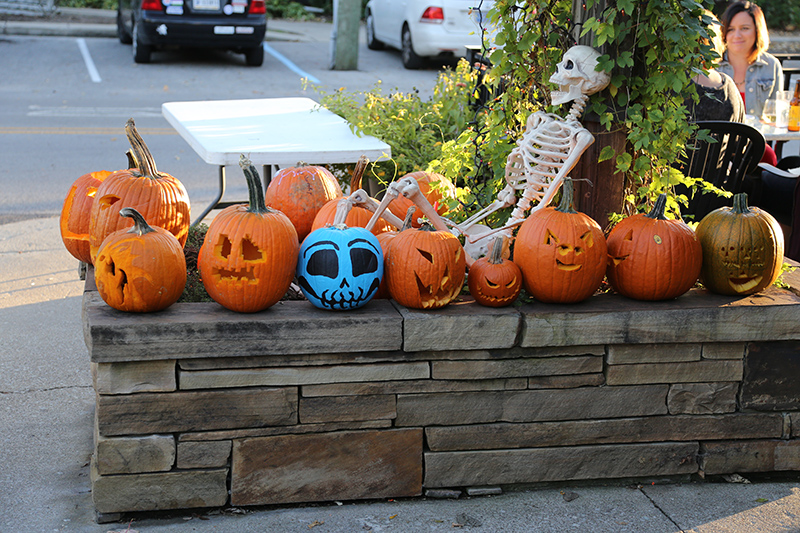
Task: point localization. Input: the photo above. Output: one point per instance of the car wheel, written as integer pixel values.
(372, 42)
(254, 56)
(122, 32)
(410, 58)
(141, 52)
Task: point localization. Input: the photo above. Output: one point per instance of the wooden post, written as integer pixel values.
(344, 38)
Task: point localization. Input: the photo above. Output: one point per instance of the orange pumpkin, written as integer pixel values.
(358, 217)
(652, 257)
(494, 281)
(300, 192)
(561, 252)
(141, 269)
(385, 240)
(160, 198)
(426, 268)
(248, 257)
(436, 195)
(76, 212)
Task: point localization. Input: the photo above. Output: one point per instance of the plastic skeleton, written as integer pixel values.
(548, 150)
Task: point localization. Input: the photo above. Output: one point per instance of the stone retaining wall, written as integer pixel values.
(201, 407)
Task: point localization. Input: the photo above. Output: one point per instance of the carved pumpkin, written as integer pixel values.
(385, 240)
(141, 269)
(160, 198)
(426, 268)
(76, 212)
(494, 281)
(561, 252)
(300, 192)
(249, 253)
(358, 216)
(436, 195)
(339, 267)
(742, 248)
(652, 257)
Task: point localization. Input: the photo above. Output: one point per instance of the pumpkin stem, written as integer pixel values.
(740, 206)
(140, 226)
(257, 203)
(567, 197)
(358, 172)
(141, 154)
(496, 255)
(343, 207)
(409, 218)
(657, 212)
(132, 162)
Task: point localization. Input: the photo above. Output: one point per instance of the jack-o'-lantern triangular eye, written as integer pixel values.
(588, 239)
(223, 247)
(251, 252)
(549, 238)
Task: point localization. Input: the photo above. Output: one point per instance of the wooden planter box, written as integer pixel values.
(198, 406)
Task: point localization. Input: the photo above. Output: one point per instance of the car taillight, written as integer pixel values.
(434, 15)
(258, 7)
(151, 5)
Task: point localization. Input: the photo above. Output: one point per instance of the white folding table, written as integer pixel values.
(273, 132)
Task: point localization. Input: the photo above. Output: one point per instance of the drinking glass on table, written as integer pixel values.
(770, 111)
(782, 109)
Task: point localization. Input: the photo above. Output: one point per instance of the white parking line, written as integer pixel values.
(87, 58)
(291, 66)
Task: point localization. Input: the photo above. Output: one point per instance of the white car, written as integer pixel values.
(425, 28)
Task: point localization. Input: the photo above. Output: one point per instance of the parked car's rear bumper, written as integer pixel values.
(157, 29)
(433, 39)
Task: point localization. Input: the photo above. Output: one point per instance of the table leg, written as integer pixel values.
(216, 201)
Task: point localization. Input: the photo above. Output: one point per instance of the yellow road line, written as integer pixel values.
(11, 130)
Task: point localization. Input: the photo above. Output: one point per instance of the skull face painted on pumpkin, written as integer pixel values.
(340, 268)
(562, 253)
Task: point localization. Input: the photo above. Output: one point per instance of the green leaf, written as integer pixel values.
(605, 154)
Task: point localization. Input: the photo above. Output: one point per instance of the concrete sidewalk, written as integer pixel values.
(46, 421)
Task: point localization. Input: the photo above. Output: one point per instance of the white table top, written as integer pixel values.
(771, 133)
(270, 131)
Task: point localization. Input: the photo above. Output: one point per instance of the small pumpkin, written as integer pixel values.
(249, 253)
(494, 281)
(141, 269)
(160, 198)
(300, 192)
(742, 248)
(76, 212)
(436, 194)
(426, 268)
(561, 252)
(358, 216)
(652, 257)
(340, 268)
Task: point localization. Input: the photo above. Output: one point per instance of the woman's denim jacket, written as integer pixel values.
(763, 79)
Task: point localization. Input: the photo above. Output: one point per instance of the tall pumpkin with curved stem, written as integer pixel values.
(249, 254)
(742, 249)
(76, 212)
(651, 257)
(561, 252)
(141, 269)
(160, 198)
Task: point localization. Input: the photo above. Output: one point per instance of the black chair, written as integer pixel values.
(777, 189)
(735, 153)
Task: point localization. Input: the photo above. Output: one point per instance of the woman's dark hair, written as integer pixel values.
(762, 35)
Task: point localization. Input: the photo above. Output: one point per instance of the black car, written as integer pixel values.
(150, 25)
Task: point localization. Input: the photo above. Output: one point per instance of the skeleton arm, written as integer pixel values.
(361, 198)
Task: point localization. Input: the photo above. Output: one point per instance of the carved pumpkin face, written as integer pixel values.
(652, 257)
(494, 281)
(562, 253)
(340, 268)
(140, 270)
(742, 249)
(75, 214)
(426, 268)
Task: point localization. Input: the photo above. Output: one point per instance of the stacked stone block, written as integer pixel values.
(201, 407)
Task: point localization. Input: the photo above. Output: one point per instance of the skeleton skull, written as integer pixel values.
(575, 75)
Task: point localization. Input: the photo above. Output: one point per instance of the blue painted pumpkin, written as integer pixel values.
(340, 268)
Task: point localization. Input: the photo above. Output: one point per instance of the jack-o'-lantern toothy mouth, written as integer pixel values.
(743, 283)
(566, 267)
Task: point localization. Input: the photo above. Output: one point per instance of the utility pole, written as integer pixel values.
(344, 38)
